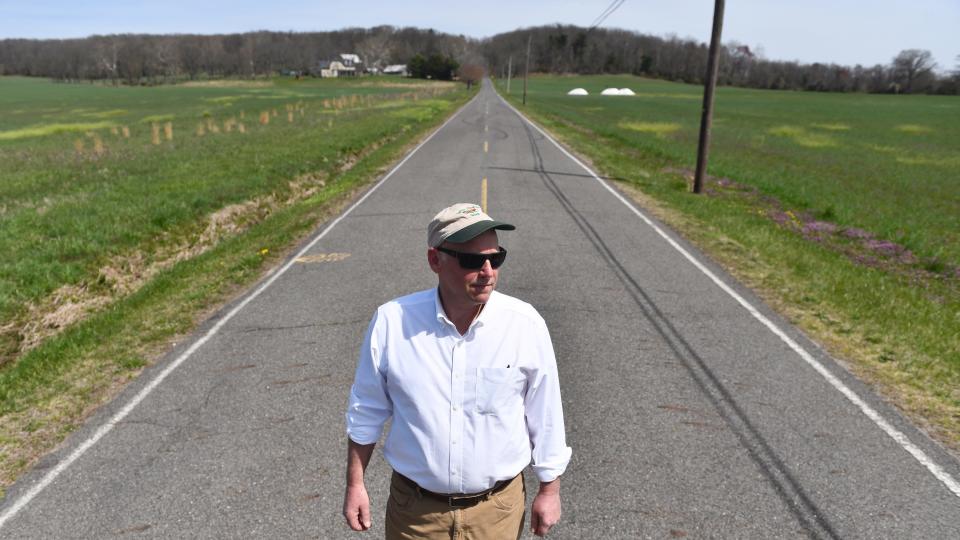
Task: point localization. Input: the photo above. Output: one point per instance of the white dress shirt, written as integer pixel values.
(467, 410)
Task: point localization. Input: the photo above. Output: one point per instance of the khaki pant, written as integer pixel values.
(411, 515)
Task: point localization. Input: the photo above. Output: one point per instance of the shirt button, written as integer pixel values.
(454, 407)
(454, 442)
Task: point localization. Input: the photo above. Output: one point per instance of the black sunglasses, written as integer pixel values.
(474, 261)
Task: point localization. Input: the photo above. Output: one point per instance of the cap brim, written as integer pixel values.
(472, 231)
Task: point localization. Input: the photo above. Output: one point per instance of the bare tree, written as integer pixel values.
(912, 66)
(131, 59)
(374, 50)
(740, 61)
(471, 74)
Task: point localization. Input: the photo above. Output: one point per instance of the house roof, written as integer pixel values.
(351, 58)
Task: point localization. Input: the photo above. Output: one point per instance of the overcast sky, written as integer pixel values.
(847, 32)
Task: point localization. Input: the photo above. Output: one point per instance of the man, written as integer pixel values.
(470, 379)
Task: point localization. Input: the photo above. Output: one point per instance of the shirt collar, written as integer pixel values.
(442, 315)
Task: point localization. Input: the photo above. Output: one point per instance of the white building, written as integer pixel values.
(350, 60)
(396, 69)
(349, 65)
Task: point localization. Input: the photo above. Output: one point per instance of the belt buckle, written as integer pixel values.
(461, 502)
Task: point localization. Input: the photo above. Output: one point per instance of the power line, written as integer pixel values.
(604, 12)
(615, 5)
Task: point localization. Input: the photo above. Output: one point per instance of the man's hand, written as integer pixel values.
(356, 502)
(356, 507)
(545, 512)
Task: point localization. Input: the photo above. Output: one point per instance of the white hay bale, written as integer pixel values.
(610, 92)
(578, 92)
(626, 92)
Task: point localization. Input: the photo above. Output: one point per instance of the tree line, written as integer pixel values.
(572, 49)
(149, 59)
(152, 59)
(435, 66)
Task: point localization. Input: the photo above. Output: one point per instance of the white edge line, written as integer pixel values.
(143, 393)
(901, 439)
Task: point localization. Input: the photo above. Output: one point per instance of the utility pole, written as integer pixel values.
(509, 72)
(707, 117)
(526, 70)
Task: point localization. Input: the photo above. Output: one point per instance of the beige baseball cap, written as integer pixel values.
(460, 223)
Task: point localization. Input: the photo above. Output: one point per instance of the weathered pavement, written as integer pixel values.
(687, 415)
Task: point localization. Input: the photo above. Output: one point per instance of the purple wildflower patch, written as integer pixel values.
(884, 247)
(859, 245)
(779, 216)
(854, 232)
(819, 227)
(864, 260)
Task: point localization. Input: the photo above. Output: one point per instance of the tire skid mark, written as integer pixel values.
(794, 497)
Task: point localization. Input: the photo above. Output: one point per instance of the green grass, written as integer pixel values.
(883, 165)
(66, 216)
(27, 101)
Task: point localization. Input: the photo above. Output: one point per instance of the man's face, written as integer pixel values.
(460, 287)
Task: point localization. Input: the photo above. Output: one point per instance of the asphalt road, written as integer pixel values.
(688, 416)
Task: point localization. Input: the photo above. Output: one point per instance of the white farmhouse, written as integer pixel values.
(348, 65)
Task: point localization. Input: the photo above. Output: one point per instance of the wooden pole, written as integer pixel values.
(526, 70)
(509, 72)
(707, 116)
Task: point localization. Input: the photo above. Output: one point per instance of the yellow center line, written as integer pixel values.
(485, 147)
(483, 195)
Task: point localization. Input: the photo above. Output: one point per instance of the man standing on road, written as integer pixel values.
(469, 376)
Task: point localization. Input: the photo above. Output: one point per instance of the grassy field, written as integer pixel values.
(92, 174)
(127, 214)
(842, 210)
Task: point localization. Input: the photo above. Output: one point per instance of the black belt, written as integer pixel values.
(457, 500)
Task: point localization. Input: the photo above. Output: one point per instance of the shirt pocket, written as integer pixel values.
(498, 389)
